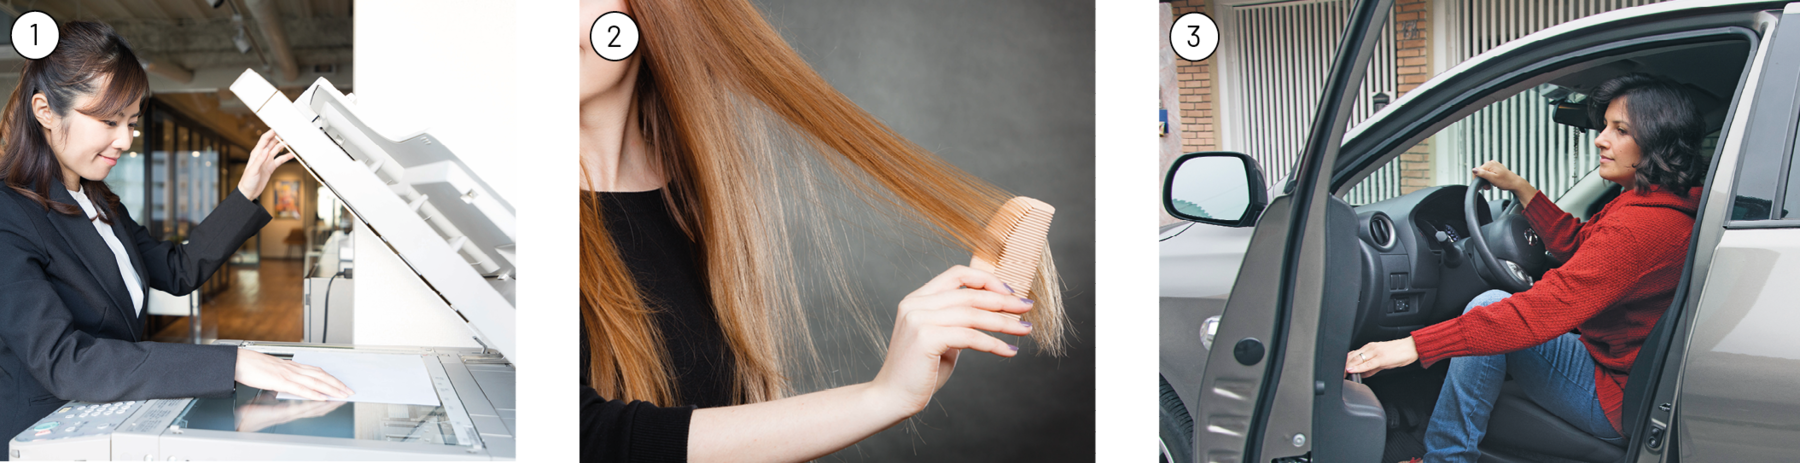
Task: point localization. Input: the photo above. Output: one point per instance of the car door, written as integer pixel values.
(1262, 396)
(1734, 399)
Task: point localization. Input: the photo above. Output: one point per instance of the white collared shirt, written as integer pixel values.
(126, 271)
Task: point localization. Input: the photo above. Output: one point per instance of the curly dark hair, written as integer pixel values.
(1666, 125)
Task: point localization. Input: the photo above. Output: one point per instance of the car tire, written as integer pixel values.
(1177, 428)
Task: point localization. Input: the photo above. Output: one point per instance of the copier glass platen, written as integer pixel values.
(474, 420)
(447, 225)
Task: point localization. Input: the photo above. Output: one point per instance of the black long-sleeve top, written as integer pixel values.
(664, 264)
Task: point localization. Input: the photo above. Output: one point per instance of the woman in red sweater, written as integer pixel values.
(1570, 340)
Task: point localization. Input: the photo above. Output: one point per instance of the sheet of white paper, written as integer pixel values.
(380, 378)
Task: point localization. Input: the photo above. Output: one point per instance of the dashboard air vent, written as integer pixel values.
(1381, 231)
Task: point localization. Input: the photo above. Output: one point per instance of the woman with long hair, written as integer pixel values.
(695, 152)
(74, 266)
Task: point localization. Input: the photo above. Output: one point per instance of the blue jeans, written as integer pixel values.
(1558, 375)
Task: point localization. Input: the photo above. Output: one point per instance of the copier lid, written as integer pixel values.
(438, 216)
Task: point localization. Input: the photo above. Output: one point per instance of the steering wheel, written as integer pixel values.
(1505, 252)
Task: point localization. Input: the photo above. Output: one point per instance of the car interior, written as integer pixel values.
(1418, 269)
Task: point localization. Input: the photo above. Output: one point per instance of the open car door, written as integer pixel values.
(1274, 386)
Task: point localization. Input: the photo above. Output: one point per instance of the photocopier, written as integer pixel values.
(443, 222)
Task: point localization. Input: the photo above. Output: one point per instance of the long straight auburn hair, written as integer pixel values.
(726, 107)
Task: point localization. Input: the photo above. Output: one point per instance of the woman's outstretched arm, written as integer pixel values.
(798, 428)
(180, 268)
(935, 322)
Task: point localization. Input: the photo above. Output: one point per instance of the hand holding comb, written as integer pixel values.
(1023, 225)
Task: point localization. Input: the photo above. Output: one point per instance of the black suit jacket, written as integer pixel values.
(68, 330)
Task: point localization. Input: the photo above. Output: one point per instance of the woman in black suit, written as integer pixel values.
(74, 267)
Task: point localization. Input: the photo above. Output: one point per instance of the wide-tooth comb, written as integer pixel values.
(1023, 225)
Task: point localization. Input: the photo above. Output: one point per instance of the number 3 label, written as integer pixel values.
(34, 35)
(1194, 36)
(614, 36)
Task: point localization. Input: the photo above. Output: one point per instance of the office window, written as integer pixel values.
(181, 197)
(161, 194)
(128, 177)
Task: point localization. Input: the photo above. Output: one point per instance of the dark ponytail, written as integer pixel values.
(87, 54)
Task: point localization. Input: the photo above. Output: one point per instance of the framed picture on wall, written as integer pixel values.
(287, 199)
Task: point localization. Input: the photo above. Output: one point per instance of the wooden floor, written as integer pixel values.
(262, 305)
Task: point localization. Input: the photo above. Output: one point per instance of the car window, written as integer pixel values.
(1759, 177)
(1518, 131)
(1791, 198)
(1759, 166)
(1759, 181)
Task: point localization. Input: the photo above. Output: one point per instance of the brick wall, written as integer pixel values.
(1412, 54)
(1196, 108)
(1191, 125)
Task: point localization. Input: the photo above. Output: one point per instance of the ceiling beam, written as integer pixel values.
(168, 69)
(268, 18)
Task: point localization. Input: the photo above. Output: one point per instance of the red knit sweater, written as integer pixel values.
(1619, 275)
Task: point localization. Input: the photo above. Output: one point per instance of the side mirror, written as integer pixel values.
(1216, 187)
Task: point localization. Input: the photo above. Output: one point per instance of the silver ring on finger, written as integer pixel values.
(1363, 355)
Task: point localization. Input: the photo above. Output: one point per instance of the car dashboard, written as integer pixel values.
(1430, 224)
(1410, 279)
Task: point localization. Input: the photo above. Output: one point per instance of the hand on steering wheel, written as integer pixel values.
(1506, 251)
(1501, 177)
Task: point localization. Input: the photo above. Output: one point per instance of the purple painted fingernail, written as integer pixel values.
(1026, 323)
(1014, 348)
(1027, 301)
(1008, 288)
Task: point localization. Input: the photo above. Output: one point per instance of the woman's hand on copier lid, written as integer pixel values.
(270, 153)
(272, 374)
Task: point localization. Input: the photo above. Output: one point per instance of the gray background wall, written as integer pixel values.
(1005, 90)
